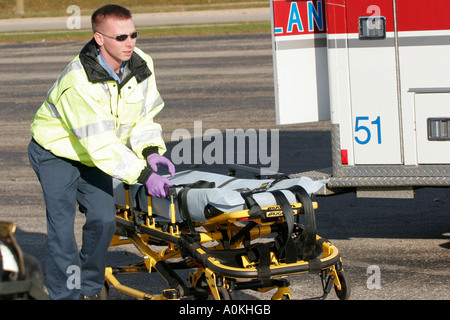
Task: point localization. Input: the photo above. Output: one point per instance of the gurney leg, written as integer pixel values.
(127, 290)
(283, 293)
(116, 241)
(211, 280)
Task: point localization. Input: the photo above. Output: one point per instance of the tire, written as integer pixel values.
(225, 294)
(344, 293)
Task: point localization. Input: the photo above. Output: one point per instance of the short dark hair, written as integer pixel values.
(109, 10)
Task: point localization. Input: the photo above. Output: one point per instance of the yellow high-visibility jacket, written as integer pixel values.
(88, 117)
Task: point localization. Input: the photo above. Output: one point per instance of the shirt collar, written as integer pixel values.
(107, 67)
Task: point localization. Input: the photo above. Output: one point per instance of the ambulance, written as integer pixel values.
(379, 72)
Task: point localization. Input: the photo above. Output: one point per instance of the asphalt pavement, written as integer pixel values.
(391, 249)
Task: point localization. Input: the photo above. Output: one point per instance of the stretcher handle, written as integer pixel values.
(257, 172)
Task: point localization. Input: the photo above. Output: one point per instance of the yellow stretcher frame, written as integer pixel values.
(219, 278)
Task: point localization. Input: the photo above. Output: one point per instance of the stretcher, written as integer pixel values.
(233, 234)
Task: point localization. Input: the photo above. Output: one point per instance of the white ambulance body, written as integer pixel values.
(380, 71)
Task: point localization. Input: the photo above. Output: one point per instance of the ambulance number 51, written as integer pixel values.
(360, 126)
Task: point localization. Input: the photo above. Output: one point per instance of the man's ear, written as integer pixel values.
(99, 39)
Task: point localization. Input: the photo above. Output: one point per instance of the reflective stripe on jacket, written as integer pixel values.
(88, 117)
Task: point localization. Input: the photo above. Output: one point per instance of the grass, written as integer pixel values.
(148, 32)
(52, 8)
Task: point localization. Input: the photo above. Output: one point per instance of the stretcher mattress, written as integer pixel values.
(225, 196)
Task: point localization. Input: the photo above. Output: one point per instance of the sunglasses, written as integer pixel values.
(122, 37)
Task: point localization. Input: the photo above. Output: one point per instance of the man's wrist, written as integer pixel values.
(145, 174)
(149, 150)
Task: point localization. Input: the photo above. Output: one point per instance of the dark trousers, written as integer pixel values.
(69, 270)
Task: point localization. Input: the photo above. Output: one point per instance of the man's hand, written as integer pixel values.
(158, 186)
(155, 160)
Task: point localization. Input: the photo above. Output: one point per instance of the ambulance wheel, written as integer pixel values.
(344, 293)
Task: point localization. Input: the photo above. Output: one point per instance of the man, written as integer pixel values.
(96, 123)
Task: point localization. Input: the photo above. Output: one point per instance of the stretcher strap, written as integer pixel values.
(288, 247)
(254, 210)
(137, 218)
(261, 252)
(309, 232)
(184, 212)
(183, 203)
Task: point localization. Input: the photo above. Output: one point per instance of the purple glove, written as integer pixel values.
(155, 160)
(158, 186)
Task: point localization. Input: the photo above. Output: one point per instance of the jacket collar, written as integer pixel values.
(95, 72)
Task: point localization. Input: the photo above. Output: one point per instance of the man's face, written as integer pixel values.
(115, 52)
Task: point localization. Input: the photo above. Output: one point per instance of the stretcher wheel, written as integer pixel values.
(225, 294)
(203, 284)
(344, 292)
